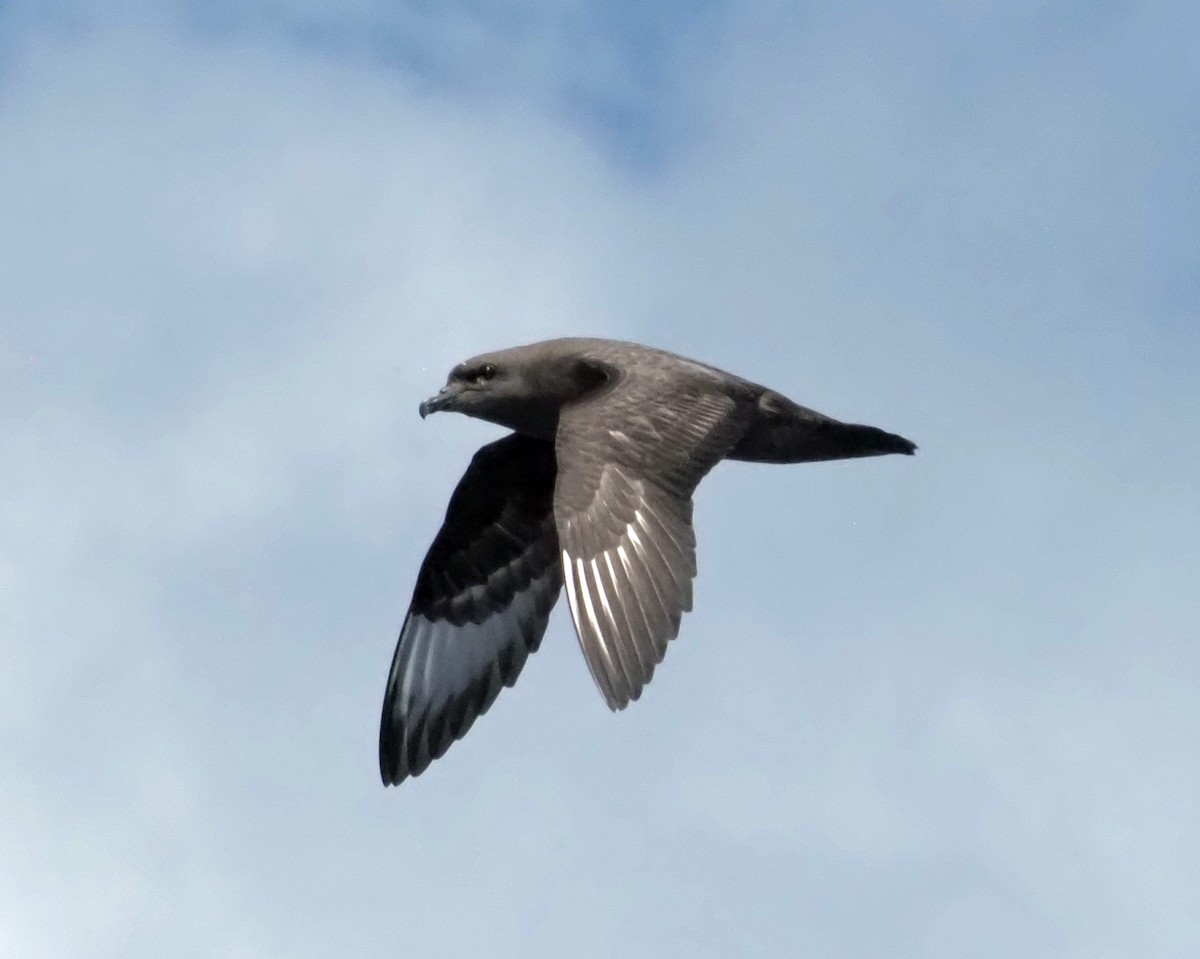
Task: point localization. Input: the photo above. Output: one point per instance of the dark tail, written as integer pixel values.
(786, 432)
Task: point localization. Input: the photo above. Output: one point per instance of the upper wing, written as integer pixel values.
(483, 595)
(628, 462)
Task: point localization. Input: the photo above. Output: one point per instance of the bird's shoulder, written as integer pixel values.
(638, 374)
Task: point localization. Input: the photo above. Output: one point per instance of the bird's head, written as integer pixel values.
(522, 388)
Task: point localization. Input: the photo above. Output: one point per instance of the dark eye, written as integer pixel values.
(485, 372)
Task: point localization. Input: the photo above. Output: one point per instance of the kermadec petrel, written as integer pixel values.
(593, 488)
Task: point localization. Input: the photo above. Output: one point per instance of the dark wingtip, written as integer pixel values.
(388, 772)
(391, 758)
(388, 776)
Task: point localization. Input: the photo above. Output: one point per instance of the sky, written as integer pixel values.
(926, 707)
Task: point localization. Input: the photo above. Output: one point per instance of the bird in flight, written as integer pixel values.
(592, 489)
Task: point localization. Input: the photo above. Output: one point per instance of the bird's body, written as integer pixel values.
(592, 490)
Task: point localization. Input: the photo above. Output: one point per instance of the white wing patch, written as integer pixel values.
(587, 598)
(603, 595)
(442, 662)
(631, 534)
(626, 597)
(569, 579)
